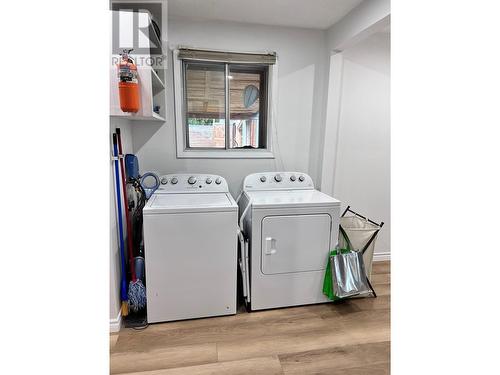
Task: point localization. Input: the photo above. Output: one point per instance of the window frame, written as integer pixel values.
(267, 112)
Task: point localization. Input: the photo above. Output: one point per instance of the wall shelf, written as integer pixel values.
(150, 67)
(153, 38)
(158, 117)
(152, 94)
(157, 83)
(131, 116)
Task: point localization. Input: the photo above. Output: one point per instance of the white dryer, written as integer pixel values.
(190, 246)
(287, 230)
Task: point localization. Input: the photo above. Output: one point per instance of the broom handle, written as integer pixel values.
(123, 282)
(125, 204)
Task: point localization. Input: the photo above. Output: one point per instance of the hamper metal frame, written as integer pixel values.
(365, 247)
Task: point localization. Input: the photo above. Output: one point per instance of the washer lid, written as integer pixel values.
(204, 202)
(290, 198)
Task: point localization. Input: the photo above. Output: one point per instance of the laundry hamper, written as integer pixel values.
(362, 233)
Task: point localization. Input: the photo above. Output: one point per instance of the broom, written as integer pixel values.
(136, 289)
(123, 282)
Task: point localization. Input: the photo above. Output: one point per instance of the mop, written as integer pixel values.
(136, 289)
(123, 282)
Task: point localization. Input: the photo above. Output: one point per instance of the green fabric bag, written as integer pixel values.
(328, 282)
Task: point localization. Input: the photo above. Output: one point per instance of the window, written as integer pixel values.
(205, 105)
(223, 104)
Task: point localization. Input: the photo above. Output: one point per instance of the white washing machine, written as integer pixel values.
(287, 230)
(190, 245)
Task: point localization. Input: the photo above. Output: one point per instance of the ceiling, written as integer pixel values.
(315, 14)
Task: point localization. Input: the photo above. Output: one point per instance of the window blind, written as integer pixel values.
(227, 57)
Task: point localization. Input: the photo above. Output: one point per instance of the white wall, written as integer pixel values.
(302, 60)
(115, 272)
(359, 23)
(362, 173)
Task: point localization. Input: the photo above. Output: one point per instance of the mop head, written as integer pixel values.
(124, 308)
(136, 295)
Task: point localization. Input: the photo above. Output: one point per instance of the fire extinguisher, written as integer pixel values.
(128, 84)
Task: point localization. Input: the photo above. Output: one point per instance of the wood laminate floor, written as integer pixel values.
(350, 338)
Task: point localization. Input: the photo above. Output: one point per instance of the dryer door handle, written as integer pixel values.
(270, 246)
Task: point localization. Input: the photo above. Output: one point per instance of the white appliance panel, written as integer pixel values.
(286, 289)
(192, 183)
(190, 265)
(295, 243)
(277, 181)
(282, 198)
(289, 229)
(191, 200)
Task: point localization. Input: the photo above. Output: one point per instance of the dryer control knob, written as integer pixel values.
(278, 178)
(208, 181)
(292, 177)
(192, 180)
(164, 181)
(301, 178)
(263, 178)
(218, 181)
(174, 180)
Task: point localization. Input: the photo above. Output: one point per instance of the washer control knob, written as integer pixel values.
(263, 178)
(293, 178)
(301, 178)
(192, 180)
(208, 180)
(278, 178)
(174, 180)
(164, 181)
(218, 181)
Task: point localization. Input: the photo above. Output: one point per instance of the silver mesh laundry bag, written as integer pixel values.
(349, 275)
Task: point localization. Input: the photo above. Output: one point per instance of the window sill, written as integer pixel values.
(225, 154)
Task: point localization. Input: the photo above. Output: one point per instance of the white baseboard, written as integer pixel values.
(378, 257)
(115, 323)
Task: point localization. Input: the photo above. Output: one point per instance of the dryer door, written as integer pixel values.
(295, 243)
